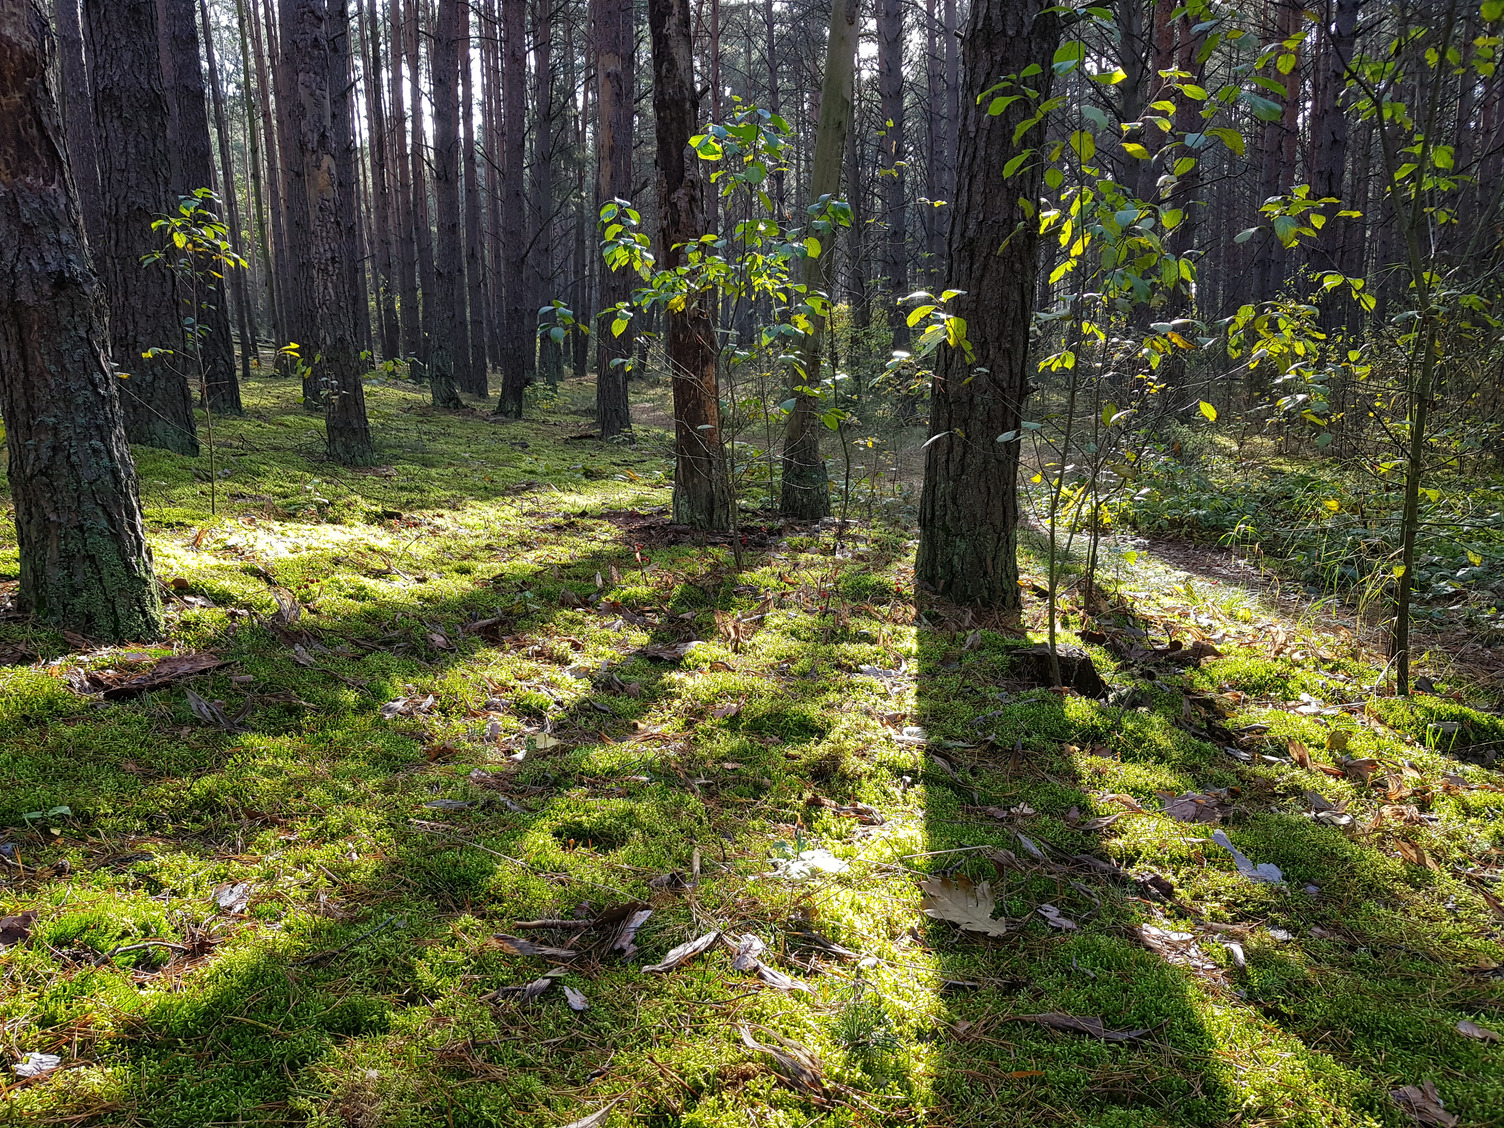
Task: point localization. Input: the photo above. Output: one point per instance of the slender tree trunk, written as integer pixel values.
(78, 113)
(450, 339)
(615, 69)
(381, 185)
(244, 309)
(493, 146)
(890, 43)
(969, 509)
(540, 258)
(422, 232)
(517, 343)
(263, 148)
(702, 494)
(805, 492)
(774, 104)
(84, 562)
(195, 165)
(131, 116)
(402, 206)
(474, 380)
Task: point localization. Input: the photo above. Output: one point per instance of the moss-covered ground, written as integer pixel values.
(448, 729)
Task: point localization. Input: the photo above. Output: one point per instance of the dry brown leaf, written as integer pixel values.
(1300, 753)
(17, 928)
(1423, 1105)
(1480, 1033)
(171, 669)
(797, 1064)
(960, 901)
(517, 946)
(1089, 1025)
(1414, 854)
(1192, 807)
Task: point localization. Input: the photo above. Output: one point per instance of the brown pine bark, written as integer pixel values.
(450, 345)
(381, 183)
(270, 217)
(702, 495)
(84, 562)
(313, 36)
(968, 513)
(443, 394)
(616, 83)
(517, 343)
(890, 43)
(540, 255)
(211, 347)
(131, 122)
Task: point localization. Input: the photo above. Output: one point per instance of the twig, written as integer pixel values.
(367, 934)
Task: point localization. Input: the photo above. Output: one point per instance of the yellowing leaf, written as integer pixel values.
(1332, 504)
(1475, 559)
(1209, 411)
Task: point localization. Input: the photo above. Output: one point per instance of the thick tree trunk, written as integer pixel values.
(805, 488)
(84, 561)
(968, 514)
(517, 342)
(313, 37)
(78, 114)
(615, 70)
(212, 347)
(474, 380)
(702, 494)
(130, 115)
(450, 345)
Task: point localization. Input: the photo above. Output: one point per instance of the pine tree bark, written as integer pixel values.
(195, 169)
(451, 342)
(265, 170)
(443, 393)
(540, 257)
(890, 44)
(804, 492)
(78, 114)
(702, 494)
(968, 513)
(381, 183)
(616, 79)
(131, 122)
(517, 343)
(313, 36)
(84, 562)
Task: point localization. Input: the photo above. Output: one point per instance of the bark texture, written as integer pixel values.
(516, 340)
(702, 494)
(450, 346)
(131, 130)
(615, 69)
(85, 565)
(969, 510)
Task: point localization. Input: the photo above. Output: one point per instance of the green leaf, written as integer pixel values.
(812, 246)
(1229, 137)
(1493, 10)
(1285, 63)
(1015, 163)
(1001, 103)
(1053, 178)
(1191, 90)
(919, 314)
(1244, 235)
(1135, 150)
(1209, 411)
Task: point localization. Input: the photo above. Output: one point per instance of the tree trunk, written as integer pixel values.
(969, 509)
(130, 115)
(408, 311)
(805, 490)
(474, 380)
(615, 71)
(211, 346)
(78, 114)
(313, 37)
(540, 257)
(84, 562)
(517, 343)
(451, 343)
(264, 148)
(702, 494)
(890, 43)
(244, 308)
(492, 145)
(381, 185)
(422, 232)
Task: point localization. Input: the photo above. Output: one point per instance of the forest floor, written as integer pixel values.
(280, 868)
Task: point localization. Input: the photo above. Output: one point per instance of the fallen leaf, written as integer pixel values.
(233, 898)
(1414, 854)
(1192, 807)
(517, 946)
(597, 1117)
(1480, 1033)
(37, 1065)
(1052, 915)
(1128, 801)
(288, 609)
(1264, 871)
(448, 804)
(959, 901)
(576, 999)
(730, 709)
(1300, 753)
(527, 991)
(1103, 821)
(775, 978)
(669, 653)
(747, 949)
(1089, 1025)
(16, 929)
(1423, 1105)
(684, 952)
(210, 712)
(626, 936)
(797, 1064)
(171, 669)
